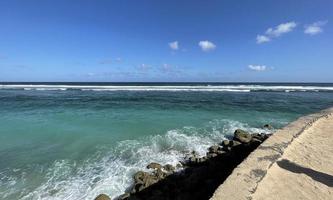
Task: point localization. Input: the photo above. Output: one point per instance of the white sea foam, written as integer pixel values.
(207, 88)
(110, 170)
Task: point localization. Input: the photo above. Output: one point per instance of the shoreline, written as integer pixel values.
(257, 174)
(185, 180)
(231, 170)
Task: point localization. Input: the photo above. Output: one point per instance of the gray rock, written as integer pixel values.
(211, 155)
(235, 143)
(220, 152)
(225, 143)
(242, 136)
(154, 165)
(169, 168)
(213, 149)
(140, 177)
(159, 174)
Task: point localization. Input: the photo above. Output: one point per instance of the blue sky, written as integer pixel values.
(226, 40)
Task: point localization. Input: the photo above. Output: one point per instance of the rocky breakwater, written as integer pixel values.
(196, 177)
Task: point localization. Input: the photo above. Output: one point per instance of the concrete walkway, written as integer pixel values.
(295, 163)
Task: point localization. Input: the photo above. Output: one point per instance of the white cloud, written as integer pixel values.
(262, 39)
(258, 67)
(314, 28)
(276, 32)
(174, 45)
(207, 45)
(281, 29)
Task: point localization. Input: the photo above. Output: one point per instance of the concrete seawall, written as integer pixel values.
(295, 163)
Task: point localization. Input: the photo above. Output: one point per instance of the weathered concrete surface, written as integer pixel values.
(295, 163)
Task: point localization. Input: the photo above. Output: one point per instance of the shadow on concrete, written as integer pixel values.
(315, 175)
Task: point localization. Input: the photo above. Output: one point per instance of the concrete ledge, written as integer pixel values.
(244, 180)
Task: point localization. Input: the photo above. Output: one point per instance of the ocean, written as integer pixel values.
(77, 140)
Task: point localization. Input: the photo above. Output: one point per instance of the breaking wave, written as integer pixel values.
(205, 88)
(110, 169)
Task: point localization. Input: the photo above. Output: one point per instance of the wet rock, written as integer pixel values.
(213, 149)
(260, 137)
(154, 165)
(225, 143)
(137, 188)
(123, 196)
(219, 152)
(192, 159)
(235, 143)
(194, 154)
(169, 168)
(159, 174)
(179, 165)
(268, 126)
(102, 197)
(140, 177)
(242, 136)
(211, 155)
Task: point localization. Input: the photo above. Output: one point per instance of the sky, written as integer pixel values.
(174, 40)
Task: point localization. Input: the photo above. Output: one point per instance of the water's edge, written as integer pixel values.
(253, 169)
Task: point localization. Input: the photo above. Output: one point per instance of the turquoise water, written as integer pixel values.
(70, 142)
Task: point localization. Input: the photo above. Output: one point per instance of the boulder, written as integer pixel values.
(235, 143)
(220, 152)
(179, 165)
(213, 149)
(192, 159)
(102, 197)
(242, 136)
(140, 177)
(159, 174)
(225, 143)
(211, 155)
(124, 196)
(154, 165)
(268, 126)
(169, 168)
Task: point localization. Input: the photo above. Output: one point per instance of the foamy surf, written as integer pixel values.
(205, 88)
(110, 169)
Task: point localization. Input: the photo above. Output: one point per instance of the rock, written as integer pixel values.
(211, 155)
(235, 143)
(159, 174)
(102, 197)
(194, 153)
(261, 136)
(268, 126)
(255, 140)
(242, 136)
(123, 196)
(137, 188)
(192, 159)
(203, 159)
(213, 149)
(169, 168)
(154, 165)
(220, 152)
(140, 177)
(179, 165)
(225, 143)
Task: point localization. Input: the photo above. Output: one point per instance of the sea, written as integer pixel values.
(76, 140)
